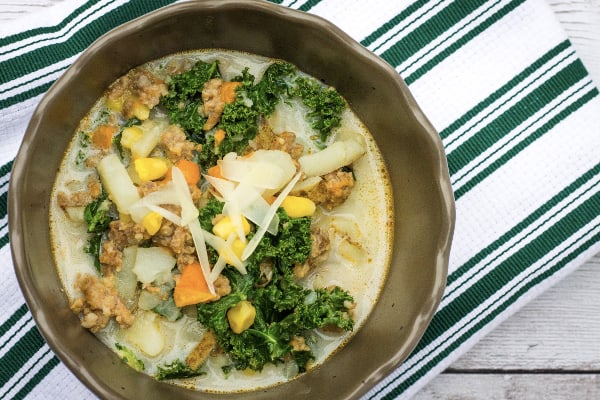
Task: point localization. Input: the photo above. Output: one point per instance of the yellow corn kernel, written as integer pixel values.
(130, 135)
(297, 207)
(238, 247)
(224, 227)
(152, 222)
(241, 316)
(150, 169)
(140, 111)
(115, 103)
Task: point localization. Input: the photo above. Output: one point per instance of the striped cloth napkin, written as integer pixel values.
(515, 108)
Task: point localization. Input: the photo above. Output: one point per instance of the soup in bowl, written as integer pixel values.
(414, 218)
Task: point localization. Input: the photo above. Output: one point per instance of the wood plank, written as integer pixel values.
(512, 387)
(560, 330)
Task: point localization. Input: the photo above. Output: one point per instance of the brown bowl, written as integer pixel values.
(412, 150)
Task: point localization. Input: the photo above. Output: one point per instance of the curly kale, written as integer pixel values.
(129, 357)
(98, 215)
(176, 370)
(326, 105)
(285, 310)
(185, 96)
(274, 84)
(293, 242)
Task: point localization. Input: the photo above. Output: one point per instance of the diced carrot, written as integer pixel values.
(191, 287)
(219, 136)
(103, 135)
(228, 91)
(215, 171)
(189, 169)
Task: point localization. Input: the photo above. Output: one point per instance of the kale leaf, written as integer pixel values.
(185, 96)
(326, 105)
(284, 308)
(274, 84)
(129, 357)
(97, 215)
(176, 370)
(291, 245)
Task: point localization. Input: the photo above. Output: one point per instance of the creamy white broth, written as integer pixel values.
(360, 231)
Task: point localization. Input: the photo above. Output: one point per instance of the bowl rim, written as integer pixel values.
(19, 170)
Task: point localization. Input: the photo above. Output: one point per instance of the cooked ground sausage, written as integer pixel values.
(137, 87)
(333, 189)
(213, 104)
(99, 303)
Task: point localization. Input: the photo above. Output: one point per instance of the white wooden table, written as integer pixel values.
(551, 348)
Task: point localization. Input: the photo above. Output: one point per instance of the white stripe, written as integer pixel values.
(525, 129)
(406, 26)
(26, 372)
(450, 36)
(4, 182)
(520, 240)
(508, 99)
(42, 40)
(420, 359)
(15, 333)
(524, 184)
(293, 3)
(35, 79)
(479, 67)
(4, 226)
(14, 120)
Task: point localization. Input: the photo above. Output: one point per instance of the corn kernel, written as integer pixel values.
(152, 222)
(149, 169)
(140, 111)
(297, 207)
(238, 247)
(130, 135)
(225, 227)
(115, 103)
(241, 316)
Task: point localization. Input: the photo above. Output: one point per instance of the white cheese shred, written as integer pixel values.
(264, 226)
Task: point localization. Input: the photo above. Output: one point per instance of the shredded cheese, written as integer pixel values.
(268, 217)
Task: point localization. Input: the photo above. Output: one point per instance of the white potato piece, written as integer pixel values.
(152, 133)
(337, 155)
(125, 279)
(265, 169)
(153, 264)
(75, 214)
(117, 183)
(145, 334)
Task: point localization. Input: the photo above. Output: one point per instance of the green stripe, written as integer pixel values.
(520, 261)
(391, 24)
(459, 192)
(51, 54)
(434, 27)
(45, 30)
(510, 85)
(515, 116)
(6, 168)
(20, 353)
(308, 5)
(23, 96)
(461, 42)
(36, 379)
(526, 222)
(12, 320)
